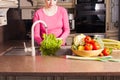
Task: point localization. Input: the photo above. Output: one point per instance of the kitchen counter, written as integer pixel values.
(55, 66)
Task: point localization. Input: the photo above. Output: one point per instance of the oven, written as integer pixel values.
(90, 16)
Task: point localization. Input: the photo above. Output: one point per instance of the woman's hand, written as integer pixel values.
(63, 43)
(59, 38)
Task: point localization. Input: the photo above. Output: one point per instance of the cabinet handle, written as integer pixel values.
(107, 26)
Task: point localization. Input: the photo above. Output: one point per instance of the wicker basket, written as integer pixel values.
(85, 53)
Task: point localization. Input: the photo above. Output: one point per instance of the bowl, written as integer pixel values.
(87, 53)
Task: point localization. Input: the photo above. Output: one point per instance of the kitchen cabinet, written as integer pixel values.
(27, 14)
(57, 78)
(1, 34)
(5, 5)
(78, 78)
(112, 19)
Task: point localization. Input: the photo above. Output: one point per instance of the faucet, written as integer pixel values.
(32, 34)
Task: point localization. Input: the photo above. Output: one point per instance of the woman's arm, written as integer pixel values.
(66, 28)
(37, 36)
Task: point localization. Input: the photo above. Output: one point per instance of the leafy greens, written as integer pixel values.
(50, 45)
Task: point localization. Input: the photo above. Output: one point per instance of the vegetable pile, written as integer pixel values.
(50, 45)
(85, 42)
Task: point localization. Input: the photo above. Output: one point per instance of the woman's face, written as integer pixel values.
(50, 3)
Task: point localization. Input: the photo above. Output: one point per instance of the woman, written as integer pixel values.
(55, 17)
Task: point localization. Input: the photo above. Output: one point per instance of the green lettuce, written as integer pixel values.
(50, 45)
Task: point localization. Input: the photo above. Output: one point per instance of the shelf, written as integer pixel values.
(8, 4)
(65, 4)
(40, 3)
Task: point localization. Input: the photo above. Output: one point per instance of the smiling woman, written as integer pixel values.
(56, 18)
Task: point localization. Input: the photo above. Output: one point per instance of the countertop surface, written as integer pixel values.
(52, 65)
(56, 66)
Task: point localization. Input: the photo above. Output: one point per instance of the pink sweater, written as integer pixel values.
(57, 24)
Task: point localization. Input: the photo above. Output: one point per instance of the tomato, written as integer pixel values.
(96, 46)
(87, 39)
(92, 41)
(106, 51)
(88, 46)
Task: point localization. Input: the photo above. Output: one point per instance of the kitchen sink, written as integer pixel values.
(64, 50)
(16, 51)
